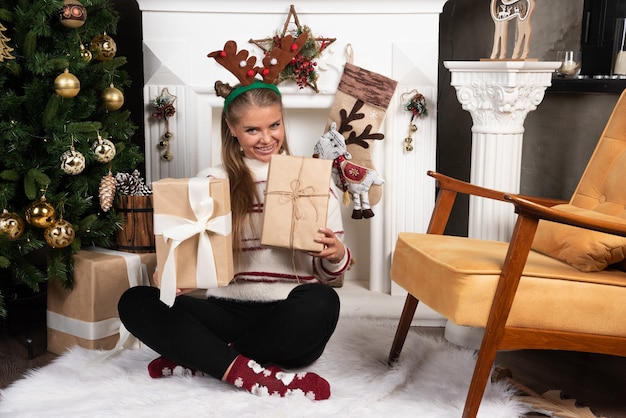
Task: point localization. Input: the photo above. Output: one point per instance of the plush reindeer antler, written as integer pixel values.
(237, 63)
(274, 61)
(280, 56)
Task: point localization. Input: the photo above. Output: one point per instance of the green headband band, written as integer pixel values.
(238, 91)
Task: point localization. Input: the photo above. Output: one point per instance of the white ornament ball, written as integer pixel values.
(104, 150)
(72, 162)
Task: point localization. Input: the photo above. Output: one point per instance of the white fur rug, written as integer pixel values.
(429, 381)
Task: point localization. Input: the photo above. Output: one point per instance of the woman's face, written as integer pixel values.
(260, 132)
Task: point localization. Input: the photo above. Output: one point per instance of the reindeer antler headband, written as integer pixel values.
(242, 65)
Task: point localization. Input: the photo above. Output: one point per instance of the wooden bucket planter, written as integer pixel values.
(137, 233)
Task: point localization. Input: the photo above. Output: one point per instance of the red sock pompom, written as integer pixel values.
(273, 381)
(162, 367)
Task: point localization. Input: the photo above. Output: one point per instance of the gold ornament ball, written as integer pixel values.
(104, 149)
(113, 98)
(72, 14)
(60, 234)
(40, 214)
(85, 53)
(11, 225)
(72, 162)
(66, 85)
(103, 47)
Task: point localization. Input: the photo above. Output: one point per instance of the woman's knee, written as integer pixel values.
(135, 297)
(319, 297)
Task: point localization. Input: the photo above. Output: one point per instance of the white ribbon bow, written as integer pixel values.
(177, 229)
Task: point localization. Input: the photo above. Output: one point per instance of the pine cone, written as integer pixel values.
(107, 191)
(132, 184)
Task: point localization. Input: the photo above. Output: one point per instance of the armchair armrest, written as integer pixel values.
(449, 187)
(527, 208)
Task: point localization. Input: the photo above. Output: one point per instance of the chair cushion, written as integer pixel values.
(584, 249)
(457, 277)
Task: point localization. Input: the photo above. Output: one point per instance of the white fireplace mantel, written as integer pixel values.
(178, 35)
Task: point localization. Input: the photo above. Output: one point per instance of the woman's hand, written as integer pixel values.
(334, 250)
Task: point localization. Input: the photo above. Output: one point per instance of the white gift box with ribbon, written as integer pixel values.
(192, 227)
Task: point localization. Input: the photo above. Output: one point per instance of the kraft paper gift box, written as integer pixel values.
(296, 202)
(86, 315)
(192, 226)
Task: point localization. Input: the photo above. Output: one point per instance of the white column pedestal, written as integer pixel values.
(498, 95)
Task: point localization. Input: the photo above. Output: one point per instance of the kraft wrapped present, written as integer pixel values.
(192, 227)
(296, 202)
(87, 314)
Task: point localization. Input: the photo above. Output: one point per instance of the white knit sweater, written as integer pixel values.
(267, 273)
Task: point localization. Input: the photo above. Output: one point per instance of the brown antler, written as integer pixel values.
(346, 127)
(237, 63)
(279, 57)
(274, 62)
(366, 134)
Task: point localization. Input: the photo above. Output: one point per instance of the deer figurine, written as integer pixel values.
(502, 11)
(355, 180)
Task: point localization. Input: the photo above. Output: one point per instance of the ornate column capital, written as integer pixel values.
(499, 94)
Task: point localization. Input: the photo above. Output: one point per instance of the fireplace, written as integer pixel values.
(396, 38)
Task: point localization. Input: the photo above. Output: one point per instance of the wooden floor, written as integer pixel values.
(595, 381)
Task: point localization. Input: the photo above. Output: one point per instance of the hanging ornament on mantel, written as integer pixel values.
(302, 68)
(416, 104)
(66, 85)
(72, 14)
(113, 98)
(164, 109)
(12, 225)
(103, 47)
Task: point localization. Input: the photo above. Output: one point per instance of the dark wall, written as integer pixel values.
(129, 44)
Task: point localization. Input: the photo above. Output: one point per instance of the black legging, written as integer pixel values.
(196, 333)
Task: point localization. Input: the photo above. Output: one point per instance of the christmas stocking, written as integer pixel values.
(358, 110)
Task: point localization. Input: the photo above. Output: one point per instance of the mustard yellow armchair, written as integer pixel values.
(558, 284)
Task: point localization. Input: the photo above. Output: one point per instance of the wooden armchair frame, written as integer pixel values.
(499, 336)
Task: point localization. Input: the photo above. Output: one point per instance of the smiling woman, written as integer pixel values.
(260, 132)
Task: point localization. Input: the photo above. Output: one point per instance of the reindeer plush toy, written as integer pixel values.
(355, 180)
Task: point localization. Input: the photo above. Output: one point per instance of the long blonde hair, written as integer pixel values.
(243, 191)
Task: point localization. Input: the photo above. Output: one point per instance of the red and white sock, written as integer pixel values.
(273, 381)
(162, 367)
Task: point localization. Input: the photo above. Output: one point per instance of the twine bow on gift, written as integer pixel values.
(177, 229)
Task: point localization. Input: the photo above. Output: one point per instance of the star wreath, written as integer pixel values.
(302, 68)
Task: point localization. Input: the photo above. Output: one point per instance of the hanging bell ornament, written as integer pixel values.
(11, 225)
(103, 47)
(72, 162)
(164, 144)
(167, 156)
(85, 53)
(72, 14)
(104, 150)
(113, 98)
(66, 85)
(40, 214)
(59, 234)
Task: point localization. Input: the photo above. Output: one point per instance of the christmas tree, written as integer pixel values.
(63, 132)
